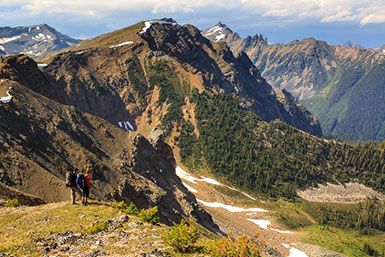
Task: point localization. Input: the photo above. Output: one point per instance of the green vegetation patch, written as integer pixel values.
(273, 158)
(348, 242)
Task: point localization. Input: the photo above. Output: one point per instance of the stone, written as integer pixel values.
(120, 219)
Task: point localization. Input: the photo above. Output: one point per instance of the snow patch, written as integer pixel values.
(9, 39)
(42, 37)
(213, 30)
(148, 24)
(42, 65)
(229, 207)
(81, 52)
(281, 231)
(184, 175)
(296, 253)
(265, 223)
(6, 99)
(261, 223)
(126, 125)
(285, 245)
(190, 188)
(210, 181)
(249, 196)
(219, 37)
(122, 44)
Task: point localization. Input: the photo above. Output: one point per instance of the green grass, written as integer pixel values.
(19, 226)
(347, 242)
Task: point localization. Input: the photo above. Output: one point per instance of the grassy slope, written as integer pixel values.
(19, 226)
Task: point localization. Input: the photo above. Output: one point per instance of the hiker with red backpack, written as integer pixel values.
(71, 183)
(84, 182)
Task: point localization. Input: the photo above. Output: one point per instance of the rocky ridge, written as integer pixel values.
(333, 82)
(97, 71)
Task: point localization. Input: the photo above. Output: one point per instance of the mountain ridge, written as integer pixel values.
(200, 64)
(329, 80)
(35, 41)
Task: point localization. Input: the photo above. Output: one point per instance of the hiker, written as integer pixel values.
(71, 183)
(86, 187)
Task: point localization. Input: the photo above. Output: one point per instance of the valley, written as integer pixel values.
(334, 82)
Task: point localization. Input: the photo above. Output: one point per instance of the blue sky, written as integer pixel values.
(334, 21)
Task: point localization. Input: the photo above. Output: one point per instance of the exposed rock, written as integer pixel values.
(348, 193)
(120, 219)
(317, 251)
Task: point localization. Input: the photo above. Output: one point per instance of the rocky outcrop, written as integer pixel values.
(24, 70)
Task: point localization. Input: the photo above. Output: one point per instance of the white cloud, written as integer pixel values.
(363, 11)
(340, 16)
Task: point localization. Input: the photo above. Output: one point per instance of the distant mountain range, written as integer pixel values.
(350, 44)
(343, 86)
(34, 40)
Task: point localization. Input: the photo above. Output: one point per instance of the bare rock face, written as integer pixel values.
(153, 182)
(24, 70)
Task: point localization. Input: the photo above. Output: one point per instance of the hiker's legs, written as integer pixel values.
(86, 193)
(73, 195)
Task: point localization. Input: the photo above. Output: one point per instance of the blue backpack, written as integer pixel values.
(80, 180)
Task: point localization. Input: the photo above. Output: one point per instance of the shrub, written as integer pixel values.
(98, 227)
(181, 237)
(240, 247)
(121, 205)
(149, 215)
(131, 209)
(12, 203)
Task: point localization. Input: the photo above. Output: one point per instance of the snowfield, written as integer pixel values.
(126, 125)
(230, 208)
(6, 99)
(192, 190)
(122, 44)
(148, 24)
(296, 253)
(265, 223)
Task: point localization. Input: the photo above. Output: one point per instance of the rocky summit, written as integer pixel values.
(33, 41)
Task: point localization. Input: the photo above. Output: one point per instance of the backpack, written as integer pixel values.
(80, 180)
(70, 179)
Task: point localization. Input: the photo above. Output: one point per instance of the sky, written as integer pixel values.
(335, 21)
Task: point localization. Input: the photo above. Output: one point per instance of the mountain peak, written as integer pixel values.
(350, 44)
(218, 32)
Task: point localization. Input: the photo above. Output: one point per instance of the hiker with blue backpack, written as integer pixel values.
(83, 182)
(71, 183)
